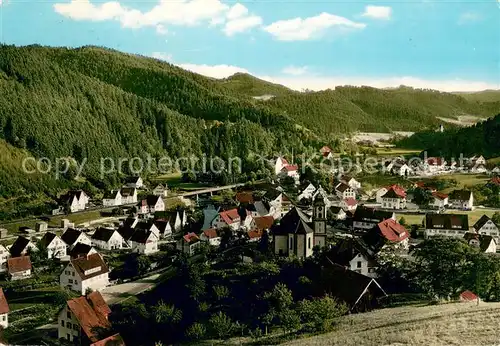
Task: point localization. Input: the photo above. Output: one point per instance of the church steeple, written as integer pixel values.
(319, 221)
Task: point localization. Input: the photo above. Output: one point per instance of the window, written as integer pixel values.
(70, 281)
(68, 337)
(62, 323)
(291, 243)
(309, 243)
(359, 264)
(68, 314)
(75, 326)
(73, 273)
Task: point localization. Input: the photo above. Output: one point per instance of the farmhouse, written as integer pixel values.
(449, 225)
(21, 247)
(112, 198)
(366, 218)
(84, 320)
(344, 191)
(19, 267)
(81, 250)
(107, 239)
(349, 204)
(54, 245)
(461, 199)
(352, 254)
(486, 226)
(189, 243)
(353, 183)
(160, 190)
(394, 198)
(440, 200)
(232, 219)
(386, 232)
(307, 192)
(129, 195)
(144, 242)
(74, 201)
(211, 236)
(155, 203)
(73, 236)
(134, 182)
(85, 272)
(4, 311)
(485, 243)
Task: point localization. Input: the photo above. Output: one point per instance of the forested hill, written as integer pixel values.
(480, 139)
(94, 102)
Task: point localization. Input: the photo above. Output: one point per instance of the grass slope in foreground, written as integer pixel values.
(449, 324)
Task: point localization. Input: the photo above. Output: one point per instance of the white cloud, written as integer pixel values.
(378, 12)
(295, 70)
(167, 12)
(469, 17)
(301, 81)
(300, 29)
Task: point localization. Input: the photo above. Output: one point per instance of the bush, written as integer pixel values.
(196, 331)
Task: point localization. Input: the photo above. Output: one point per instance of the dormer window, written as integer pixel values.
(93, 270)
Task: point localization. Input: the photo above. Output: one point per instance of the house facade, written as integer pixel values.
(84, 319)
(211, 236)
(19, 267)
(129, 195)
(446, 225)
(189, 243)
(4, 311)
(486, 226)
(56, 247)
(72, 236)
(485, 243)
(394, 198)
(107, 239)
(366, 218)
(461, 199)
(4, 256)
(144, 242)
(155, 203)
(134, 182)
(75, 201)
(112, 198)
(21, 247)
(160, 190)
(344, 191)
(440, 200)
(307, 192)
(85, 272)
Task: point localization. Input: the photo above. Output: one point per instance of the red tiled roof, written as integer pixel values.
(4, 306)
(255, 234)
(92, 318)
(284, 161)
(290, 168)
(468, 296)
(350, 201)
(263, 222)
(244, 197)
(230, 216)
(191, 237)
(210, 233)
(18, 264)
(439, 195)
(392, 230)
(325, 149)
(113, 340)
(395, 191)
(495, 181)
(437, 161)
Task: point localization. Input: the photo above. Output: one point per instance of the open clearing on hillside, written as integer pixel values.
(462, 120)
(448, 324)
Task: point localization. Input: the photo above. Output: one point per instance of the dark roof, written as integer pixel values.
(19, 246)
(127, 191)
(346, 249)
(111, 194)
(92, 314)
(334, 210)
(447, 221)
(103, 234)
(47, 238)
(161, 225)
(481, 222)
(129, 221)
(126, 232)
(131, 180)
(341, 187)
(140, 236)
(70, 236)
(83, 264)
(365, 214)
(484, 240)
(80, 249)
(245, 197)
(152, 200)
(18, 264)
(348, 286)
(4, 306)
(295, 221)
(263, 222)
(392, 193)
(461, 195)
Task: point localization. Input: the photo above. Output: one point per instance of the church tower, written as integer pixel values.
(319, 221)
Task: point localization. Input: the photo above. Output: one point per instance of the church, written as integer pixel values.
(297, 233)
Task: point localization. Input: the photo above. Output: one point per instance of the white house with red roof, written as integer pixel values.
(326, 152)
(84, 320)
(394, 198)
(4, 310)
(434, 164)
(85, 272)
(394, 233)
(189, 243)
(211, 236)
(349, 204)
(19, 267)
(440, 200)
(232, 219)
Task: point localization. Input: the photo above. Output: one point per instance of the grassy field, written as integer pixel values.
(448, 324)
(174, 181)
(396, 151)
(473, 216)
(465, 180)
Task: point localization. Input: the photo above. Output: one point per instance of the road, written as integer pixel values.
(119, 293)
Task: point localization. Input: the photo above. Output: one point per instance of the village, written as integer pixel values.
(128, 250)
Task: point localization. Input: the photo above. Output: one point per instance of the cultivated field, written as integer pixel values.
(473, 216)
(450, 324)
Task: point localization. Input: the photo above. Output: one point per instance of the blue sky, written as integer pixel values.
(446, 45)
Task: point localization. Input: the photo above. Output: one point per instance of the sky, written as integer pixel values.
(316, 44)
